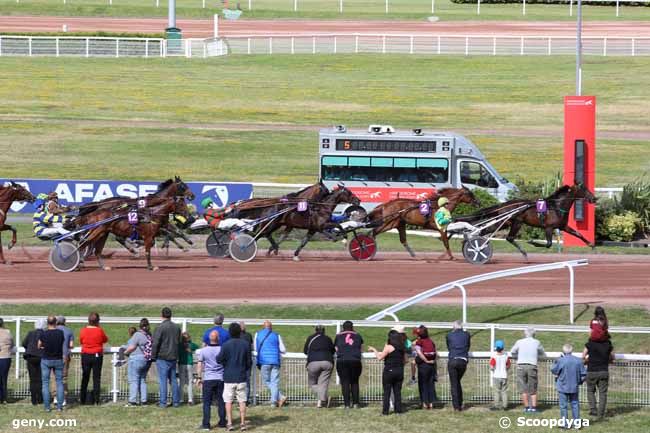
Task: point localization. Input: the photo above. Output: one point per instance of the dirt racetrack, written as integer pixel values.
(203, 28)
(322, 277)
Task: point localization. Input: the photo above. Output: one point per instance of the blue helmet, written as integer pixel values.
(499, 345)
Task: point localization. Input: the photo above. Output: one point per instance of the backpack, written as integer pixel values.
(147, 349)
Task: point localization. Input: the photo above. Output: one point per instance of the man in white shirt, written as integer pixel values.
(527, 351)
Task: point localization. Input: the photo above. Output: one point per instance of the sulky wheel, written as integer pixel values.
(243, 248)
(217, 244)
(362, 247)
(64, 257)
(477, 250)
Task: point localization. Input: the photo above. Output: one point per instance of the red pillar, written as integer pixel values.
(580, 162)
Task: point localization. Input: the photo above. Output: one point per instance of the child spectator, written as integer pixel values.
(599, 326)
(499, 366)
(186, 365)
(121, 354)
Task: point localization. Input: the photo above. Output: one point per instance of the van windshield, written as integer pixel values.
(385, 169)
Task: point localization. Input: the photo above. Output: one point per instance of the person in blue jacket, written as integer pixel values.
(569, 372)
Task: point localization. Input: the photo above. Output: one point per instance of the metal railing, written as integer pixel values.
(629, 381)
(460, 284)
(467, 45)
(464, 45)
(72, 46)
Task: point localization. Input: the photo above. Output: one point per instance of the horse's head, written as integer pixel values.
(582, 192)
(468, 197)
(341, 194)
(182, 189)
(20, 193)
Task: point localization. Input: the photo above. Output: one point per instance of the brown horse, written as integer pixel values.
(557, 216)
(167, 189)
(316, 219)
(9, 194)
(400, 212)
(152, 219)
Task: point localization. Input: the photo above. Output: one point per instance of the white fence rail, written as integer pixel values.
(465, 45)
(71, 46)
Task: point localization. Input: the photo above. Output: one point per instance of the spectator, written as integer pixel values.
(164, 351)
(458, 344)
(68, 345)
(394, 357)
(499, 366)
(92, 339)
(569, 374)
(348, 345)
(528, 350)
(236, 360)
(247, 337)
(425, 360)
(186, 365)
(599, 325)
(6, 349)
(319, 349)
(270, 348)
(33, 355)
(139, 350)
(218, 326)
(51, 341)
(210, 374)
(598, 355)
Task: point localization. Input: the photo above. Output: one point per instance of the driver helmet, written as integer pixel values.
(442, 201)
(53, 196)
(207, 202)
(40, 200)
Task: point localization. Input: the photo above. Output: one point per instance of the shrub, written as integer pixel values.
(636, 198)
(621, 227)
(605, 209)
(483, 196)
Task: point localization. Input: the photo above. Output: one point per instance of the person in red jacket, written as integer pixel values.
(425, 359)
(92, 339)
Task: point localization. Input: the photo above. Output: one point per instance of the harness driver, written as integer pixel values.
(49, 217)
(445, 222)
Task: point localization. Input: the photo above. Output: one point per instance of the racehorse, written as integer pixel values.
(169, 188)
(8, 194)
(317, 218)
(258, 207)
(151, 219)
(400, 212)
(556, 216)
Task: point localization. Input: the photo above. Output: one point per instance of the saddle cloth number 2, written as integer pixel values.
(424, 208)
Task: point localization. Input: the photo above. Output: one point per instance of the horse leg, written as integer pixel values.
(2, 256)
(548, 235)
(577, 234)
(122, 241)
(401, 229)
(445, 241)
(99, 242)
(512, 234)
(148, 243)
(304, 242)
(14, 239)
(275, 245)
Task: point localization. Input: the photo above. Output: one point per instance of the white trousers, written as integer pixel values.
(185, 373)
(54, 230)
(460, 226)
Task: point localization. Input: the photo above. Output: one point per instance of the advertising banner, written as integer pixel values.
(77, 192)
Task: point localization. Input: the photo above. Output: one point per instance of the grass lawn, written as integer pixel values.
(151, 118)
(295, 336)
(115, 418)
(352, 9)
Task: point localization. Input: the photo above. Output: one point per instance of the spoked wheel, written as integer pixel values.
(217, 244)
(362, 247)
(243, 247)
(477, 250)
(64, 257)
